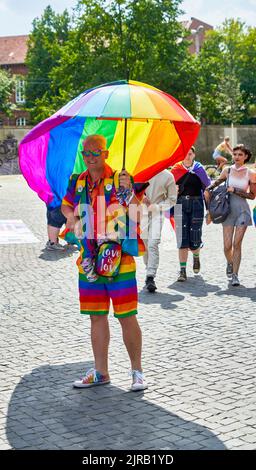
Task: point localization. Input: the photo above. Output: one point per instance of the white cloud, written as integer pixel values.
(216, 11)
(17, 15)
(3, 5)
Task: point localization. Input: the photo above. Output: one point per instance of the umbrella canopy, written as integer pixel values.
(159, 132)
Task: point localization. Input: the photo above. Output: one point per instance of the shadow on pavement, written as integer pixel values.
(196, 286)
(239, 291)
(48, 255)
(45, 412)
(159, 298)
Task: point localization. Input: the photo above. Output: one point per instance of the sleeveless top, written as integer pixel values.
(221, 147)
(239, 177)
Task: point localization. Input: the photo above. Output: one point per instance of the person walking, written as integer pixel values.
(95, 291)
(241, 186)
(192, 179)
(160, 196)
(55, 220)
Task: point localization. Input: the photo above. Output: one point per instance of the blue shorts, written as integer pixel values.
(216, 154)
(55, 218)
(219, 153)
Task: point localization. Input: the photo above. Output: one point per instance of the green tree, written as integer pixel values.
(7, 84)
(111, 39)
(247, 71)
(49, 34)
(223, 65)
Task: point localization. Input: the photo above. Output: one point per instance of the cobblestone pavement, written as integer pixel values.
(199, 350)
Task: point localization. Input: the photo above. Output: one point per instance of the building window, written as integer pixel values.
(20, 91)
(21, 122)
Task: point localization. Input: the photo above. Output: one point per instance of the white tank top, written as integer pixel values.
(239, 178)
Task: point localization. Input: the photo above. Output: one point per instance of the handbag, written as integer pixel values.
(219, 205)
(108, 259)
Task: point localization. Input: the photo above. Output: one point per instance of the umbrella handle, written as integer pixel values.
(124, 149)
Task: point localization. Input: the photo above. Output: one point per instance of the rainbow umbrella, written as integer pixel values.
(146, 129)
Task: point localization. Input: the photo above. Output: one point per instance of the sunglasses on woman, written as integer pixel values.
(94, 153)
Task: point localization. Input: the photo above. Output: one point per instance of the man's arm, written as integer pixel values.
(67, 207)
(125, 182)
(68, 212)
(244, 194)
(171, 193)
(220, 180)
(229, 148)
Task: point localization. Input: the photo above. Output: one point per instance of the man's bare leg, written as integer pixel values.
(133, 340)
(100, 337)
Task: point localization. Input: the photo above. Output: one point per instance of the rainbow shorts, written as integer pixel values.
(122, 290)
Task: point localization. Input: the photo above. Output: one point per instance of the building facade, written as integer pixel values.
(13, 51)
(197, 29)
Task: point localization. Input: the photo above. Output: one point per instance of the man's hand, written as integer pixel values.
(146, 201)
(208, 219)
(230, 189)
(125, 179)
(71, 222)
(78, 229)
(207, 195)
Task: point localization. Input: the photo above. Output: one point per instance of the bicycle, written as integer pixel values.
(8, 149)
(213, 170)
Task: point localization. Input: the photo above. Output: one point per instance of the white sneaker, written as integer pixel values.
(235, 280)
(54, 246)
(138, 381)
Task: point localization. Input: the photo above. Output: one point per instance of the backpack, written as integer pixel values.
(219, 205)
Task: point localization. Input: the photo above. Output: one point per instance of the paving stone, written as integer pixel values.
(198, 350)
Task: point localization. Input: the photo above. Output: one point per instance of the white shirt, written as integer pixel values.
(239, 177)
(162, 190)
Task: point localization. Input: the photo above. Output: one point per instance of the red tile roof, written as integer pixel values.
(13, 49)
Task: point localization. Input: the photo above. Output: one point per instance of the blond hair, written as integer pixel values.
(98, 139)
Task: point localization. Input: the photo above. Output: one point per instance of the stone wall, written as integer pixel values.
(209, 138)
(9, 139)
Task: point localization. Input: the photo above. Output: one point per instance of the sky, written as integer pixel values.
(16, 15)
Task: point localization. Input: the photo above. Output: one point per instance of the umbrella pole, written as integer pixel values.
(124, 149)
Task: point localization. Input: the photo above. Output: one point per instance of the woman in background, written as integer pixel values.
(241, 186)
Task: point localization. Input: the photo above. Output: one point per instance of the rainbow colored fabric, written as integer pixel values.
(180, 170)
(95, 296)
(78, 193)
(159, 133)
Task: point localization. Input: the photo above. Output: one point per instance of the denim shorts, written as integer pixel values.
(55, 218)
(189, 225)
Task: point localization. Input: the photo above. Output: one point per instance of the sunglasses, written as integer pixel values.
(94, 153)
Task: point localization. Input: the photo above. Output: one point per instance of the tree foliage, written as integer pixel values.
(49, 34)
(7, 84)
(227, 70)
(113, 39)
